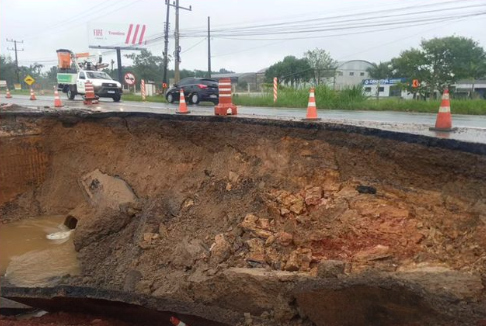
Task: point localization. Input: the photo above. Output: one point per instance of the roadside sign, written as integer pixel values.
(29, 80)
(109, 34)
(3, 84)
(164, 85)
(415, 83)
(17, 87)
(386, 81)
(130, 79)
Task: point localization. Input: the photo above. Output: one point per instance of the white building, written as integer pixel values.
(385, 88)
(350, 73)
(464, 88)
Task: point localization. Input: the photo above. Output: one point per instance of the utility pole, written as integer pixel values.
(209, 47)
(120, 67)
(166, 42)
(177, 58)
(16, 57)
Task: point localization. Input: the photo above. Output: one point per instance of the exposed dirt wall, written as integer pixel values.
(235, 214)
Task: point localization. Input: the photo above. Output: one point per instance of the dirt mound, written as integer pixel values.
(240, 215)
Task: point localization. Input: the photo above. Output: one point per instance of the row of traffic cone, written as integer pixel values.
(443, 122)
(57, 99)
(32, 95)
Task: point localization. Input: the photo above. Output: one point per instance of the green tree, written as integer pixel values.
(225, 71)
(7, 70)
(381, 71)
(322, 64)
(441, 62)
(51, 74)
(147, 66)
(289, 70)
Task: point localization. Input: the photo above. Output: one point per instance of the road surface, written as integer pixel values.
(471, 128)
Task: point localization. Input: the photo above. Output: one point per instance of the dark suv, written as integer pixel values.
(195, 90)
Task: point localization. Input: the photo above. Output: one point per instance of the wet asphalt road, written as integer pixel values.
(471, 128)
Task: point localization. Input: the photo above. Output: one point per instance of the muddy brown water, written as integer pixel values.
(28, 258)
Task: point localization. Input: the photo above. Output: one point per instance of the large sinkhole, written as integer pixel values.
(235, 220)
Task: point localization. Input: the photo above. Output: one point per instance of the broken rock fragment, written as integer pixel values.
(330, 268)
(257, 226)
(299, 260)
(313, 195)
(284, 239)
(220, 249)
(257, 250)
(104, 190)
(375, 253)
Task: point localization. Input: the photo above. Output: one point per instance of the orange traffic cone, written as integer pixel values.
(89, 96)
(311, 107)
(176, 322)
(8, 94)
(444, 118)
(182, 104)
(225, 103)
(57, 100)
(32, 95)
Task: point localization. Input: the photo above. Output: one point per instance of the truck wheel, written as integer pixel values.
(117, 98)
(71, 93)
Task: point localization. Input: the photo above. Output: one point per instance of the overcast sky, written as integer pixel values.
(47, 25)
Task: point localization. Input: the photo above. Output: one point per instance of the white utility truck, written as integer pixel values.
(73, 74)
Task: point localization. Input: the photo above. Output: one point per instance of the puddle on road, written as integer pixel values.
(28, 258)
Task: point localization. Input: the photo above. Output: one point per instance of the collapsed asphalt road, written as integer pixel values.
(472, 128)
(256, 221)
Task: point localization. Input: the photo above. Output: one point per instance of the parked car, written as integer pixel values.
(195, 90)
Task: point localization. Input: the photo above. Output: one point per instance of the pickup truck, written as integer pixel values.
(73, 75)
(103, 85)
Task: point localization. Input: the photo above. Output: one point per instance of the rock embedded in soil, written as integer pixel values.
(330, 268)
(220, 249)
(313, 195)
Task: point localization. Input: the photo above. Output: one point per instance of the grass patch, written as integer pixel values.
(353, 99)
(138, 98)
(22, 92)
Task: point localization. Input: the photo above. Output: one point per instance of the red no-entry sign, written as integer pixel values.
(130, 79)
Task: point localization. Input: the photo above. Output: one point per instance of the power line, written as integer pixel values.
(327, 21)
(326, 28)
(349, 9)
(343, 34)
(410, 23)
(194, 45)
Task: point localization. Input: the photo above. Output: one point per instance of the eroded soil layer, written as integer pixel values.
(276, 222)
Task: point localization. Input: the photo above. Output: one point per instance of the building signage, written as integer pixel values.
(102, 34)
(387, 81)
